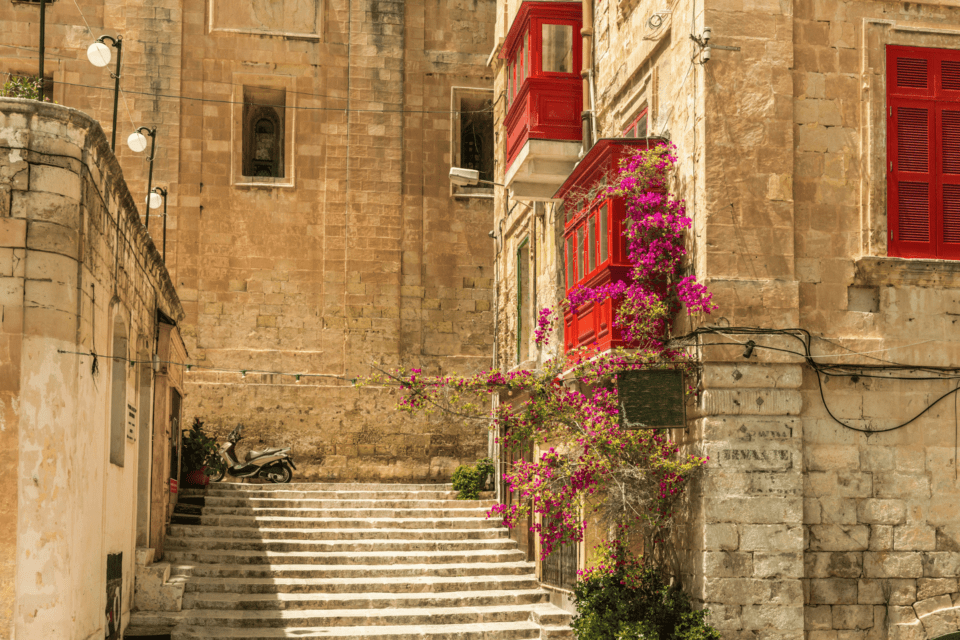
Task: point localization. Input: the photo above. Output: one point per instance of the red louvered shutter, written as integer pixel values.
(911, 195)
(923, 189)
(948, 108)
(949, 178)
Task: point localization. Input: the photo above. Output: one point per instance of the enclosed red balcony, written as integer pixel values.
(544, 97)
(595, 249)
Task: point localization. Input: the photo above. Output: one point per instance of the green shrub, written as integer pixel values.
(199, 449)
(468, 481)
(621, 599)
(22, 87)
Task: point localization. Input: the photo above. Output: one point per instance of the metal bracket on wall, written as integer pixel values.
(703, 41)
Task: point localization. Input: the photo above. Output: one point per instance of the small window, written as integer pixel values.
(118, 392)
(592, 243)
(557, 48)
(579, 253)
(472, 143)
(524, 318)
(263, 132)
(603, 233)
(569, 260)
(526, 55)
(637, 128)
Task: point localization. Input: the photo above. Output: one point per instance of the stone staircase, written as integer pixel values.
(388, 562)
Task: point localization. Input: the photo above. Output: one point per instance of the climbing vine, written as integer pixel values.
(588, 465)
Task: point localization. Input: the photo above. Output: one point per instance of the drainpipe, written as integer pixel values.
(588, 116)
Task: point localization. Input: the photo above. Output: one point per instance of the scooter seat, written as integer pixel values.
(256, 454)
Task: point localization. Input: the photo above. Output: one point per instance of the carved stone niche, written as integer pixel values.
(263, 132)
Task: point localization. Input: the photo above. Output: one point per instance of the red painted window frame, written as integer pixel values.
(616, 241)
(905, 101)
(591, 327)
(633, 126)
(541, 105)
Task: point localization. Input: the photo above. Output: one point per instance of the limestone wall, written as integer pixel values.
(800, 527)
(358, 254)
(74, 260)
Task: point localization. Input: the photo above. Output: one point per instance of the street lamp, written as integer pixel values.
(155, 197)
(137, 142)
(468, 177)
(43, 29)
(99, 56)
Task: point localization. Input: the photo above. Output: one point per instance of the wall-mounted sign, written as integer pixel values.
(173, 485)
(131, 422)
(651, 399)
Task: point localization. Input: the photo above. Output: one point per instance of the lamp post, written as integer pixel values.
(162, 194)
(43, 29)
(137, 143)
(99, 56)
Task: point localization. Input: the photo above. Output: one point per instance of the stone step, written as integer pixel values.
(369, 600)
(483, 631)
(350, 560)
(374, 558)
(379, 584)
(334, 503)
(350, 617)
(215, 491)
(246, 571)
(328, 486)
(277, 533)
(346, 523)
(347, 513)
(175, 543)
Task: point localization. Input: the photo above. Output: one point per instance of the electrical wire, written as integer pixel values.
(837, 369)
(190, 366)
(213, 100)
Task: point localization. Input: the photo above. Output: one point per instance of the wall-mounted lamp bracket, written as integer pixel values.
(704, 53)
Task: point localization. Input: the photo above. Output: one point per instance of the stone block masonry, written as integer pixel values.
(79, 275)
(358, 252)
(801, 527)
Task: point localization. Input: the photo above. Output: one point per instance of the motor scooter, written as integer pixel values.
(274, 464)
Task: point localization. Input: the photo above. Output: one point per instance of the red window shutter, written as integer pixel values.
(923, 189)
(950, 75)
(910, 71)
(911, 202)
(949, 179)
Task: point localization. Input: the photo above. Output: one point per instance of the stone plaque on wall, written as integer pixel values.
(651, 399)
(292, 18)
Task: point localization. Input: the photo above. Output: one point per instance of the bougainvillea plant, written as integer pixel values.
(589, 467)
(655, 228)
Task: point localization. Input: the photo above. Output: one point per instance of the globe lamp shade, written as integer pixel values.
(98, 54)
(156, 200)
(137, 141)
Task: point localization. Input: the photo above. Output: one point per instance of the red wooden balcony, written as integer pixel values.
(595, 249)
(544, 97)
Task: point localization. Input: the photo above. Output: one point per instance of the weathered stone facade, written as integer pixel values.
(78, 276)
(356, 251)
(800, 527)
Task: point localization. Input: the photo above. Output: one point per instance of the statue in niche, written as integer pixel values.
(262, 142)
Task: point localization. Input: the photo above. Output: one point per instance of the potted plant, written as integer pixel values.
(199, 453)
